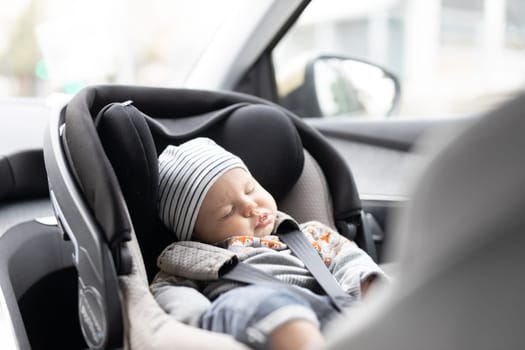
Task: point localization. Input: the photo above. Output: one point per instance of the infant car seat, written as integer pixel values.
(101, 159)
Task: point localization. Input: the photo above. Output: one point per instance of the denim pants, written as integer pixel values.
(252, 312)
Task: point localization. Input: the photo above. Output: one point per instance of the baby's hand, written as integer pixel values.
(365, 285)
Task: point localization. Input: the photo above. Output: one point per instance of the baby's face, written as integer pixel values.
(235, 205)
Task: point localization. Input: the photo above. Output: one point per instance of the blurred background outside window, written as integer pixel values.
(452, 56)
(51, 46)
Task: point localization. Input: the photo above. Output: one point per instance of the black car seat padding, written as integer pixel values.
(129, 146)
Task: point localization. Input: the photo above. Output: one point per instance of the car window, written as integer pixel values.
(452, 57)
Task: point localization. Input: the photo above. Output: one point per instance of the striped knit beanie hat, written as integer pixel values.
(186, 173)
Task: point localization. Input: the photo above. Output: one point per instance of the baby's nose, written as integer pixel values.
(250, 208)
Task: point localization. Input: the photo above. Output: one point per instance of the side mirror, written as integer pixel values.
(342, 86)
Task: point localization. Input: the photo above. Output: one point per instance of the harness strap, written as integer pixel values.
(242, 272)
(301, 247)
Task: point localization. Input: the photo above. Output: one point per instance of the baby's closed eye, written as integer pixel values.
(229, 211)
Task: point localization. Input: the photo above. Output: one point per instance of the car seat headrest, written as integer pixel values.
(173, 113)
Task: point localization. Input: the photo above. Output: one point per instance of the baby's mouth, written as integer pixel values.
(264, 219)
